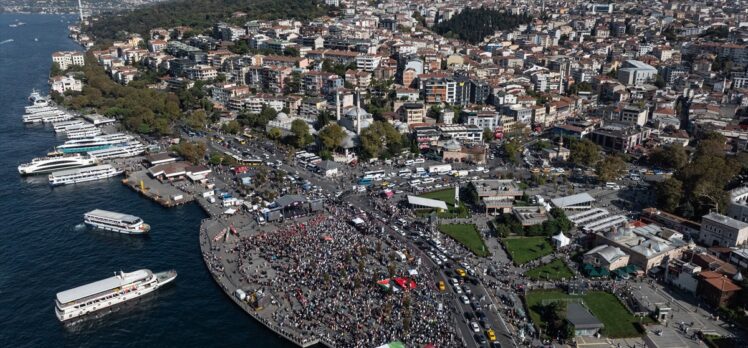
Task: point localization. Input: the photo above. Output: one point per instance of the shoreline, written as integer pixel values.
(229, 288)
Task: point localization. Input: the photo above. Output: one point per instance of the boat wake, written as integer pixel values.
(6, 41)
(80, 227)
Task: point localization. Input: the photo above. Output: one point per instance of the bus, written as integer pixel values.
(365, 181)
(374, 174)
(250, 161)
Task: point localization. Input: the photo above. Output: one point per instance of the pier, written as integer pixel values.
(164, 193)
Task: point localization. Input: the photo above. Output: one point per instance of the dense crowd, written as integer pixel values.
(319, 277)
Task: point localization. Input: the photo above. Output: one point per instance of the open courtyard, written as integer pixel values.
(525, 249)
(618, 321)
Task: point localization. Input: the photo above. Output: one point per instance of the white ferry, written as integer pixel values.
(41, 116)
(98, 142)
(64, 116)
(55, 162)
(122, 287)
(37, 98)
(33, 109)
(82, 132)
(74, 176)
(116, 222)
(129, 149)
(61, 127)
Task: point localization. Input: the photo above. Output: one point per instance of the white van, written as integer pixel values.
(612, 186)
(420, 160)
(409, 162)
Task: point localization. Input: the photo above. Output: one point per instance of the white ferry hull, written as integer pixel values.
(162, 279)
(47, 171)
(85, 179)
(117, 229)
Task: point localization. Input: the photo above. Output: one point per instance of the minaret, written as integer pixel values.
(80, 11)
(358, 112)
(337, 105)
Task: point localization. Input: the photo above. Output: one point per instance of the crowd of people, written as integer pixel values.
(318, 277)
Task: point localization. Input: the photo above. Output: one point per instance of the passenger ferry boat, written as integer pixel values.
(37, 98)
(74, 176)
(33, 109)
(116, 222)
(82, 132)
(105, 293)
(53, 115)
(56, 161)
(129, 149)
(98, 142)
(63, 126)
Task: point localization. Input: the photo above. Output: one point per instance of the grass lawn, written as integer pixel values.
(555, 270)
(525, 249)
(618, 321)
(446, 195)
(468, 236)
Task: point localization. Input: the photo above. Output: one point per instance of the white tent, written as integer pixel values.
(560, 240)
(230, 211)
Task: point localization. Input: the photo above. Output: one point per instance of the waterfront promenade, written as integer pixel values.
(223, 273)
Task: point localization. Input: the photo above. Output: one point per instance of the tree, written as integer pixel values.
(300, 131)
(583, 153)
(292, 84)
(473, 25)
(659, 82)
(197, 119)
(669, 157)
(512, 150)
(379, 139)
(259, 120)
(232, 127)
(669, 194)
(331, 136)
(323, 118)
(487, 135)
(610, 168)
(190, 151)
(274, 133)
(55, 70)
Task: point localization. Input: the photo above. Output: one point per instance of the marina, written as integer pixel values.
(75, 176)
(116, 222)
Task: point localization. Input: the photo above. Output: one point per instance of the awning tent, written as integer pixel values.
(560, 240)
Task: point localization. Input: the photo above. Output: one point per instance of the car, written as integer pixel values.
(461, 272)
(495, 344)
(467, 290)
(464, 298)
(441, 285)
(474, 326)
(480, 339)
(458, 291)
(491, 335)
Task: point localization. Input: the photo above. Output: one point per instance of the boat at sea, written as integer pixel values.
(56, 162)
(116, 222)
(74, 176)
(98, 142)
(36, 96)
(105, 293)
(129, 149)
